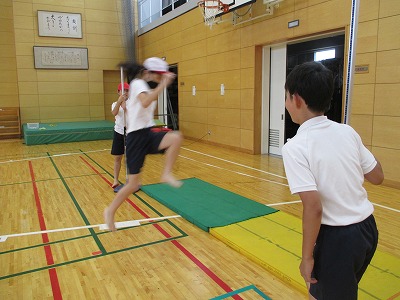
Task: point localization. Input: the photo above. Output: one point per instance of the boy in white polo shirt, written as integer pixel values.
(140, 139)
(326, 164)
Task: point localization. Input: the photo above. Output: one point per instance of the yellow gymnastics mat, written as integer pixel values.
(274, 241)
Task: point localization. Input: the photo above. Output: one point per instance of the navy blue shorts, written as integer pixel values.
(140, 143)
(118, 145)
(341, 256)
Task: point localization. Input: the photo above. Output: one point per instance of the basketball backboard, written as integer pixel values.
(235, 4)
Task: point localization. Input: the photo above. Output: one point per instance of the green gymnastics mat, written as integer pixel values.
(65, 132)
(206, 205)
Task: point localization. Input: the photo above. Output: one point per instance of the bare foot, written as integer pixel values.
(109, 220)
(169, 179)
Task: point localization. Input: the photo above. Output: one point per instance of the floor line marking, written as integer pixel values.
(55, 285)
(232, 162)
(240, 173)
(283, 203)
(49, 156)
(196, 261)
(123, 224)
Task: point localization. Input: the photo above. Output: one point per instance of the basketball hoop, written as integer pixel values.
(210, 8)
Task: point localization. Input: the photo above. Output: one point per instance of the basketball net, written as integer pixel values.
(210, 8)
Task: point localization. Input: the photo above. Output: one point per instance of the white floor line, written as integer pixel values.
(232, 162)
(124, 224)
(273, 204)
(386, 207)
(240, 173)
(55, 155)
(283, 203)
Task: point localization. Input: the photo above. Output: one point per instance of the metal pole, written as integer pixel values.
(351, 59)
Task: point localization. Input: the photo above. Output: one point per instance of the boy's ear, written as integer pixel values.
(298, 100)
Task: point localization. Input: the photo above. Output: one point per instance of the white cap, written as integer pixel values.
(156, 64)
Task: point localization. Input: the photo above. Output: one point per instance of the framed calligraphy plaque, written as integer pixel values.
(59, 24)
(61, 58)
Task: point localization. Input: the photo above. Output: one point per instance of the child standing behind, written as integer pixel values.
(118, 145)
(326, 164)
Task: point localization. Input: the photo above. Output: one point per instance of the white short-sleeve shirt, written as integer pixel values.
(330, 158)
(137, 116)
(119, 119)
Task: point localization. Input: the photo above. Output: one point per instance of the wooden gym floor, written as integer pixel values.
(68, 185)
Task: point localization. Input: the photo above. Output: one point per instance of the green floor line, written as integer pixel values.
(87, 258)
(89, 235)
(86, 221)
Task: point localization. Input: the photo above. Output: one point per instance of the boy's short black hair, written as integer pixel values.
(314, 83)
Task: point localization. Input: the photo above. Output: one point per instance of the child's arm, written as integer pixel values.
(119, 103)
(375, 176)
(147, 98)
(312, 213)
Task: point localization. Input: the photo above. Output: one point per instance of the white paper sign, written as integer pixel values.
(59, 24)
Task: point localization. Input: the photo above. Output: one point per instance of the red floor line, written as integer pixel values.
(206, 270)
(394, 296)
(55, 285)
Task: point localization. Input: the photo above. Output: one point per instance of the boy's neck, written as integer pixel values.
(307, 115)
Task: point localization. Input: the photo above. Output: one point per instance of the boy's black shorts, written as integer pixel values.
(118, 145)
(140, 143)
(341, 256)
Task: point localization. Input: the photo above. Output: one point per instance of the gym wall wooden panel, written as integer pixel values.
(231, 99)
(26, 75)
(194, 50)
(367, 37)
(386, 99)
(7, 50)
(388, 8)
(194, 33)
(225, 135)
(8, 76)
(63, 100)
(247, 99)
(247, 119)
(102, 28)
(62, 75)
(30, 114)
(228, 117)
(9, 100)
(59, 88)
(224, 62)
(193, 114)
(65, 113)
(387, 158)
(193, 67)
(192, 129)
(96, 99)
(186, 99)
(386, 132)
(28, 88)
(363, 99)
(96, 112)
(7, 63)
(368, 10)
(363, 124)
(388, 38)
(247, 139)
(231, 82)
(29, 101)
(187, 82)
(365, 59)
(388, 66)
